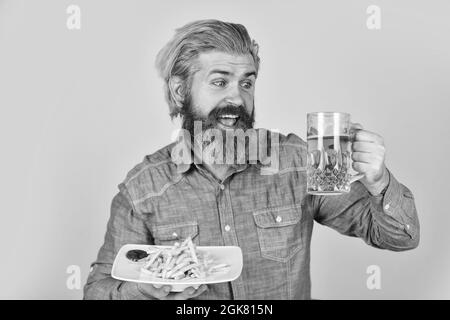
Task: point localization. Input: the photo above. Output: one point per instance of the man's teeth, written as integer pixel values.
(232, 116)
(228, 120)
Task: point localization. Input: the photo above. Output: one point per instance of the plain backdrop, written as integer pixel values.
(79, 108)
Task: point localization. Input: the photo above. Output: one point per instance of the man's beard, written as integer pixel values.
(210, 124)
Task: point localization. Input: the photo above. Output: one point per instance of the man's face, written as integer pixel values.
(222, 92)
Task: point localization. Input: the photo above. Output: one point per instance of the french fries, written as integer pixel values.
(181, 261)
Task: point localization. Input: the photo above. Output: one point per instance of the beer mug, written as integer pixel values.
(329, 163)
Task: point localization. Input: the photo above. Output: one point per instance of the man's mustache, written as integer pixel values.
(240, 111)
(228, 109)
(211, 120)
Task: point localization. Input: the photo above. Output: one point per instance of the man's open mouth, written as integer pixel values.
(228, 120)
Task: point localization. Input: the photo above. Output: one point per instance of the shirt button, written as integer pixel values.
(222, 187)
(386, 207)
(278, 219)
(227, 228)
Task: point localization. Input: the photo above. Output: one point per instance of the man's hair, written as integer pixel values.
(178, 57)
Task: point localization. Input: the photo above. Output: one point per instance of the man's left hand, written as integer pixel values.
(368, 154)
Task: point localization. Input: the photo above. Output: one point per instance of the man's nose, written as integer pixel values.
(234, 96)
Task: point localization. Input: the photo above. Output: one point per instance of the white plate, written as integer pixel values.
(127, 270)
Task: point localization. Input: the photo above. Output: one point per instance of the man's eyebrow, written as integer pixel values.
(249, 74)
(225, 73)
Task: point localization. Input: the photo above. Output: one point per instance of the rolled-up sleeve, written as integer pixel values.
(388, 222)
(124, 226)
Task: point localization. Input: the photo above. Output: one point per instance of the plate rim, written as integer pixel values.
(175, 282)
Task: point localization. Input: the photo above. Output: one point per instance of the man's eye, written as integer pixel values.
(219, 83)
(247, 84)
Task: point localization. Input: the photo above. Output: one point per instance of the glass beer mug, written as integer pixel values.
(329, 167)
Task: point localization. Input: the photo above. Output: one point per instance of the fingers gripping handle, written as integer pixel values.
(354, 175)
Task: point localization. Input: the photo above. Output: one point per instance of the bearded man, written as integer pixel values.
(209, 70)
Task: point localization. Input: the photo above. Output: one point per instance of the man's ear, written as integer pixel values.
(176, 90)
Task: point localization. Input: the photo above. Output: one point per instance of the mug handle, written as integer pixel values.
(355, 176)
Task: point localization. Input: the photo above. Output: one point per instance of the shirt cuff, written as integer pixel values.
(392, 199)
(391, 204)
(131, 291)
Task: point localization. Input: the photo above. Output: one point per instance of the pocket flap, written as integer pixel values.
(278, 217)
(175, 231)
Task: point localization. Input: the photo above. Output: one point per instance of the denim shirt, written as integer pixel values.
(269, 216)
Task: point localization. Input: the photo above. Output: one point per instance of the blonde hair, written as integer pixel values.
(178, 56)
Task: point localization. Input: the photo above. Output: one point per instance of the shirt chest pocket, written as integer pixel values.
(279, 232)
(171, 233)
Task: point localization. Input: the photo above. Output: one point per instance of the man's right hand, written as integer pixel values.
(163, 293)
